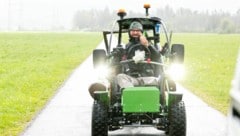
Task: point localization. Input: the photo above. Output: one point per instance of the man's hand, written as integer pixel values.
(139, 56)
(143, 40)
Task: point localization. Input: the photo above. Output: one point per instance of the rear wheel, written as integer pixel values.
(177, 120)
(99, 119)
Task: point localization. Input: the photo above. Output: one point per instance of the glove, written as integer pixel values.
(117, 52)
(139, 56)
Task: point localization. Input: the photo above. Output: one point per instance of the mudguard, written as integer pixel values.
(174, 97)
(101, 96)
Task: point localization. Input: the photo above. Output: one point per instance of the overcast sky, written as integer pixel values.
(47, 12)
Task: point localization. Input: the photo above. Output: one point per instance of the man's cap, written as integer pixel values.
(136, 26)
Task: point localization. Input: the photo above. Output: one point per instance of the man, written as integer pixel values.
(138, 74)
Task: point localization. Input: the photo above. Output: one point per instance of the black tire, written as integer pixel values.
(99, 57)
(177, 120)
(99, 119)
(115, 91)
(163, 89)
(177, 52)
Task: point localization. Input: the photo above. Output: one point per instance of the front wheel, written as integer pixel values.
(177, 119)
(99, 119)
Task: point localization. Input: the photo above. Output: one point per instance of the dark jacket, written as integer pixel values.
(141, 70)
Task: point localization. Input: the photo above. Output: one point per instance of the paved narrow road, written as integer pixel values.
(69, 112)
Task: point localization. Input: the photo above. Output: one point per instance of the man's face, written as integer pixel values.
(135, 33)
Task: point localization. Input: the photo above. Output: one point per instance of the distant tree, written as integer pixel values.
(83, 19)
(236, 19)
(92, 20)
(180, 20)
(77, 20)
(167, 14)
(212, 21)
(226, 26)
(105, 19)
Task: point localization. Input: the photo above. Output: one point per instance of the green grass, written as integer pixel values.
(210, 61)
(32, 67)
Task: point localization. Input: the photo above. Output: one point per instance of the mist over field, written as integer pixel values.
(92, 15)
(181, 20)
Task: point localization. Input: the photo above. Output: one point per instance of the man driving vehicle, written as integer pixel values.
(138, 74)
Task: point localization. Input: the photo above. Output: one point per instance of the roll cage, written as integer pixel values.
(149, 24)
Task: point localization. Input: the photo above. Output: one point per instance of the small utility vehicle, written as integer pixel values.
(158, 106)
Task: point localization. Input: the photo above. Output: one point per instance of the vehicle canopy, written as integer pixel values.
(151, 29)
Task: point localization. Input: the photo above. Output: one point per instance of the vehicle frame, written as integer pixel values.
(115, 108)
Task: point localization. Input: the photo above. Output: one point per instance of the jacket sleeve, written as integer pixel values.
(155, 54)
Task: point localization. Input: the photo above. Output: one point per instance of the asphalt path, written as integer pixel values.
(68, 113)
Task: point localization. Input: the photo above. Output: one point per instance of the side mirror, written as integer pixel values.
(177, 53)
(99, 57)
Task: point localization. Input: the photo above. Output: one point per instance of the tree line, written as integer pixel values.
(181, 20)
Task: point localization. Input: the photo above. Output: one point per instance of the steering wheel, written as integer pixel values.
(133, 48)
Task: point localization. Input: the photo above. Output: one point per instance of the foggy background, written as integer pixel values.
(94, 15)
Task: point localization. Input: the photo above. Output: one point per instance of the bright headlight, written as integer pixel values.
(176, 71)
(102, 71)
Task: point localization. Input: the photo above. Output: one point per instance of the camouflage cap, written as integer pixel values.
(136, 26)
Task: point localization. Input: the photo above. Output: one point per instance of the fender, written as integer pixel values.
(101, 96)
(174, 97)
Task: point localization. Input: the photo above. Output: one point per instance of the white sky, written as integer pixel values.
(46, 13)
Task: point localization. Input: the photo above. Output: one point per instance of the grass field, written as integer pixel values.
(32, 67)
(210, 61)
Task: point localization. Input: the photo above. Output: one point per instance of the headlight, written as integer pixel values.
(176, 71)
(102, 71)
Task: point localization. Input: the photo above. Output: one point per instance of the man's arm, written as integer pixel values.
(155, 54)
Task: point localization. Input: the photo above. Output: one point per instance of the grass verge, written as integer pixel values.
(210, 61)
(32, 67)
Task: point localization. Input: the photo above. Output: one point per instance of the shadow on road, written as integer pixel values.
(137, 134)
(141, 131)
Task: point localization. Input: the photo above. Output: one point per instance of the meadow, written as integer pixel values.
(34, 65)
(210, 61)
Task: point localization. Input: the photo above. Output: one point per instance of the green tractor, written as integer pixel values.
(160, 106)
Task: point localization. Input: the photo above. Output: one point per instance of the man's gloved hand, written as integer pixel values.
(139, 56)
(117, 52)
